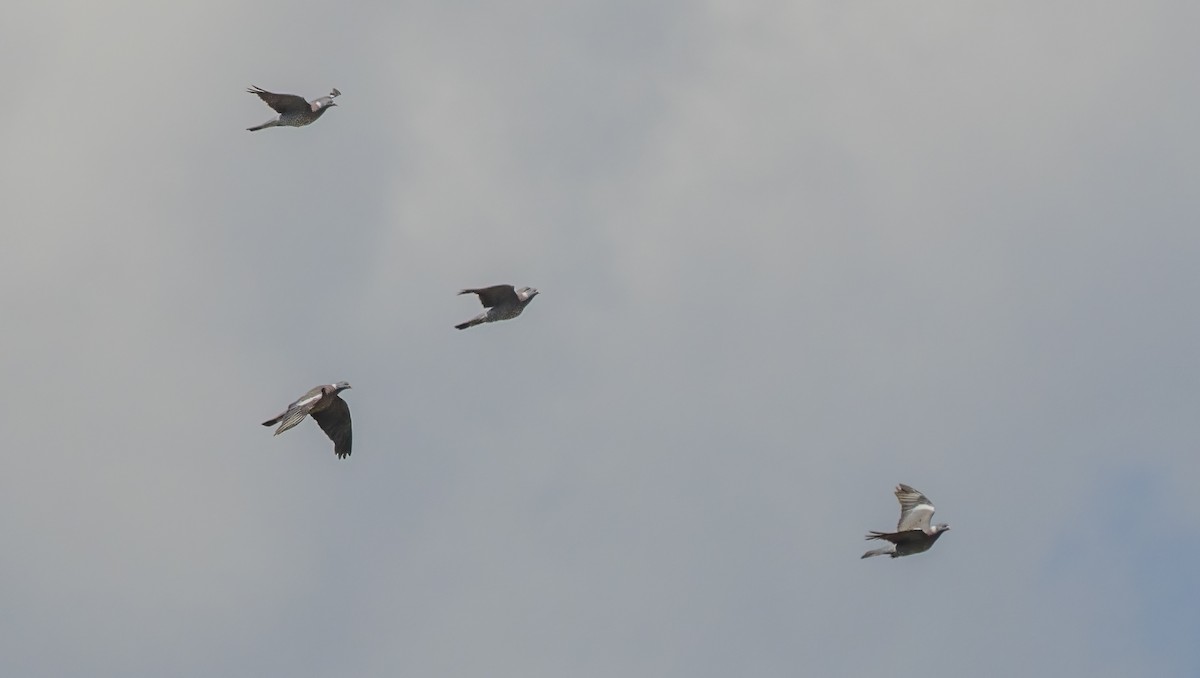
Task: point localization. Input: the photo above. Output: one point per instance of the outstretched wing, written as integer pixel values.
(915, 509)
(282, 103)
(295, 412)
(496, 295)
(334, 420)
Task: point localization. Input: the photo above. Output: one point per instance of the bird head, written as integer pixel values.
(526, 293)
(340, 386)
(941, 527)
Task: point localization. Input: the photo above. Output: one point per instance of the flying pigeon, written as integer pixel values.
(293, 110)
(501, 301)
(330, 412)
(913, 533)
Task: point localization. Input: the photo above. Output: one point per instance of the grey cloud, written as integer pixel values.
(790, 255)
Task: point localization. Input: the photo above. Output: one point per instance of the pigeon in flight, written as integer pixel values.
(913, 533)
(293, 110)
(330, 412)
(501, 301)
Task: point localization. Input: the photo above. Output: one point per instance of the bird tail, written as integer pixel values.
(877, 552)
(269, 123)
(477, 320)
(877, 535)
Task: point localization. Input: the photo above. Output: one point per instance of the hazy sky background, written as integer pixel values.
(790, 254)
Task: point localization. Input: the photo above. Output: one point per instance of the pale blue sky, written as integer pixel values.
(790, 254)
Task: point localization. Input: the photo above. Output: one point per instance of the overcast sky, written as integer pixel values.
(790, 254)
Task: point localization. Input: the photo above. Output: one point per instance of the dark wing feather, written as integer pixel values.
(334, 420)
(282, 103)
(905, 537)
(495, 295)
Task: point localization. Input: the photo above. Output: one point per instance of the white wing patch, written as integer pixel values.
(916, 519)
(306, 401)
